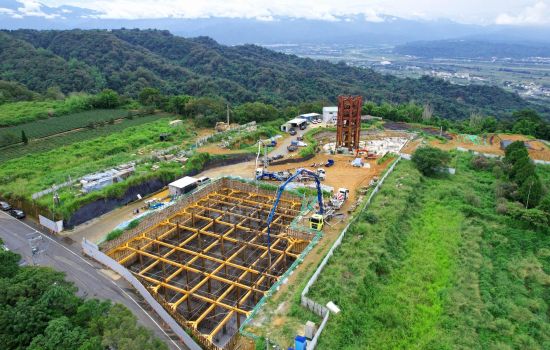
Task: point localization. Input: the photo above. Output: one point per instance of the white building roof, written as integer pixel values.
(309, 115)
(330, 109)
(183, 182)
(297, 121)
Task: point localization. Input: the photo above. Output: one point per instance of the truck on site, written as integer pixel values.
(263, 174)
(321, 173)
(317, 220)
(339, 198)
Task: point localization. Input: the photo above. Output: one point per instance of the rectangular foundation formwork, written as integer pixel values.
(208, 263)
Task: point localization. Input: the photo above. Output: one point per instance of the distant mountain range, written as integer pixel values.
(129, 60)
(347, 30)
(472, 49)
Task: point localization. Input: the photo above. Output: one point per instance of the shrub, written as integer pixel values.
(114, 234)
(472, 199)
(132, 224)
(480, 163)
(502, 206)
(429, 160)
(371, 218)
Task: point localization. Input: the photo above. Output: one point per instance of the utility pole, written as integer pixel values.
(228, 115)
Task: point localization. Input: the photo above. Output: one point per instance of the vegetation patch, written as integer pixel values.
(439, 268)
(40, 310)
(32, 173)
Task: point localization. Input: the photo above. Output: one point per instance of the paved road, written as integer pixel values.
(91, 280)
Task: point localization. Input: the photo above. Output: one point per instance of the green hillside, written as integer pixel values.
(129, 60)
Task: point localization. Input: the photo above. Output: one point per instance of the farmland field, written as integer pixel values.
(15, 113)
(51, 126)
(31, 173)
(51, 143)
(432, 265)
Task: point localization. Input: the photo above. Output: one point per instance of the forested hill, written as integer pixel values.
(129, 60)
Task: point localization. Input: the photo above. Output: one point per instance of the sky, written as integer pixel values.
(482, 12)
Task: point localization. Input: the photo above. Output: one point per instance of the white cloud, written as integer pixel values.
(33, 8)
(537, 14)
(533, 12)
(7, 11)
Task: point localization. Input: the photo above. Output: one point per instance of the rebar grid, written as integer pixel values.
(209, 262)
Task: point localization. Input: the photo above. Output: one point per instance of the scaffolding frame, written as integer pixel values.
(348, 122)
(208, 262)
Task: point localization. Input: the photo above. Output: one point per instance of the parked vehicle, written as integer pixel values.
(292, 148)
(5, 206)
(329, 163)
(16, 213)
(300, 138)
(277, 157)
(292, 132)
(303, 126)
(202, 180)
(321, 174)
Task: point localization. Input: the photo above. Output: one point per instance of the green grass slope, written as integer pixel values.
(439, 269)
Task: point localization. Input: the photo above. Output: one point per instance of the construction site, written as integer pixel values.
(209, 260)
(218, 249)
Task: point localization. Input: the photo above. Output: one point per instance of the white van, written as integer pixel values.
(203, 180)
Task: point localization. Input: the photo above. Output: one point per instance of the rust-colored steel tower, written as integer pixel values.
(348, 124)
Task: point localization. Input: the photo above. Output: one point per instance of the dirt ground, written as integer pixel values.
(275, 316)
(538, 149)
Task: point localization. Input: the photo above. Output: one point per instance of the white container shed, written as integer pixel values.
(182, 186)
(330, 114)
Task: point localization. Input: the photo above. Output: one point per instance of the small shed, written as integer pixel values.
(310, 116)
(181, 186)
(505, 143)
(294, 123)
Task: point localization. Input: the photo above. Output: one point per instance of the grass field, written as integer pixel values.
(46, 127)
(432, 266)
(31, 173)
(26, 111)
(44, 145)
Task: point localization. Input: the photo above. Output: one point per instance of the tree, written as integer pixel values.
(60, 334)
(528, 122)
(515, 151)
(150, 97)
(257, 111)
(429, 160)
(176, 104)
(521, 170)
(8, 263)
(531, 191)
(427, 113)
(106, 99)
(24, 137)
(206, 110)
(122, 332)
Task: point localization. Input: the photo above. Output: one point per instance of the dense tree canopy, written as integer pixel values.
(39, 310)
(127, 61)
